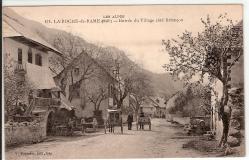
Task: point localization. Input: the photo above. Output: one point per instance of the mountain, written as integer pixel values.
(163, 84)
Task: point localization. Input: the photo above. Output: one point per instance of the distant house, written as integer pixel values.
(154, 107)
(149, 109)
(160, 107)
(83, 82)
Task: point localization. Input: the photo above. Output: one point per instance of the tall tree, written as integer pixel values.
(207, 52)
(141, 90)
(125, 81)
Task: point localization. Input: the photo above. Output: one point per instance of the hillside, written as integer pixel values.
(163, 84)
(189, 100)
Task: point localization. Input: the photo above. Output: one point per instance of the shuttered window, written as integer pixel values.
(30, 56)
(38, 59)
(19, 56)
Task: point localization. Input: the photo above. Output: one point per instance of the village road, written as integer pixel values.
(161, 142)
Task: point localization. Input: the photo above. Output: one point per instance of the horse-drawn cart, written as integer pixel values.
(113, 119)
(89, 124)
(141, 121)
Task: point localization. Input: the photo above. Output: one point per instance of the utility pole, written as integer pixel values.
(116, 72)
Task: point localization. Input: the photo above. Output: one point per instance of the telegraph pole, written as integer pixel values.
(116, 71)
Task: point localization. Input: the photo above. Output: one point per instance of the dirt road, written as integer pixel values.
(158, 143)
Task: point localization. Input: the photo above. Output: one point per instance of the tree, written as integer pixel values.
(68, 44)
(141, 90)
(75, 56)
(207, 53)
(16, 88)
(97, 90)
(124, 83)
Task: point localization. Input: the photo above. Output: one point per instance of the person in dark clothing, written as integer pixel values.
(129, 121)
(70, 126)
(141, 126)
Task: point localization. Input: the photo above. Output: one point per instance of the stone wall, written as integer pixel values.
(24, 133)
(237, 117)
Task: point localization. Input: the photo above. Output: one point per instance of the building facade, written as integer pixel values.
(88, 86)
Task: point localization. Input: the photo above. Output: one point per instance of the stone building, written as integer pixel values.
(88, 86)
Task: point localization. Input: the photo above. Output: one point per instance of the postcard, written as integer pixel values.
(123, 81)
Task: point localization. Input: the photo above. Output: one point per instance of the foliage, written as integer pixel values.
(141, 89)
(194, 99)
(69, 45)
(203, 53)
(207, 52)
(15, 89)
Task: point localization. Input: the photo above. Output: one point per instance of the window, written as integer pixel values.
(19, 56)
(76, 71)
(38, 59)
(30, 55)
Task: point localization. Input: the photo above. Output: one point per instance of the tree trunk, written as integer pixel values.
(98, 106)
(225, 120)
(95, 107)
(71, 76)
(136, 114)
(225, 116)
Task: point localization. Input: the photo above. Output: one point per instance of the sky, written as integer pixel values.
(140, 41)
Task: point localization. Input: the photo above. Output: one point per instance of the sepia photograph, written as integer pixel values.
(123, 81)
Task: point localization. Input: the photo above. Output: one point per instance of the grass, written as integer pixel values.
(203, 146)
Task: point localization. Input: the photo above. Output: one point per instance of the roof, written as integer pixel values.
(9, 31)
(158, 102)
(40, 77)
(15, 29)
(76, 60)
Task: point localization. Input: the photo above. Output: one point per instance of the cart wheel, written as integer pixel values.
(150, 127)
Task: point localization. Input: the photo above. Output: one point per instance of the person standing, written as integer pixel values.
(83, 122)
(129, 121)
(70, 126)
(141, 123)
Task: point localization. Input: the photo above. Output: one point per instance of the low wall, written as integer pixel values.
(22, 133)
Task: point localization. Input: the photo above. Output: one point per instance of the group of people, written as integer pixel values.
(130, 120)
